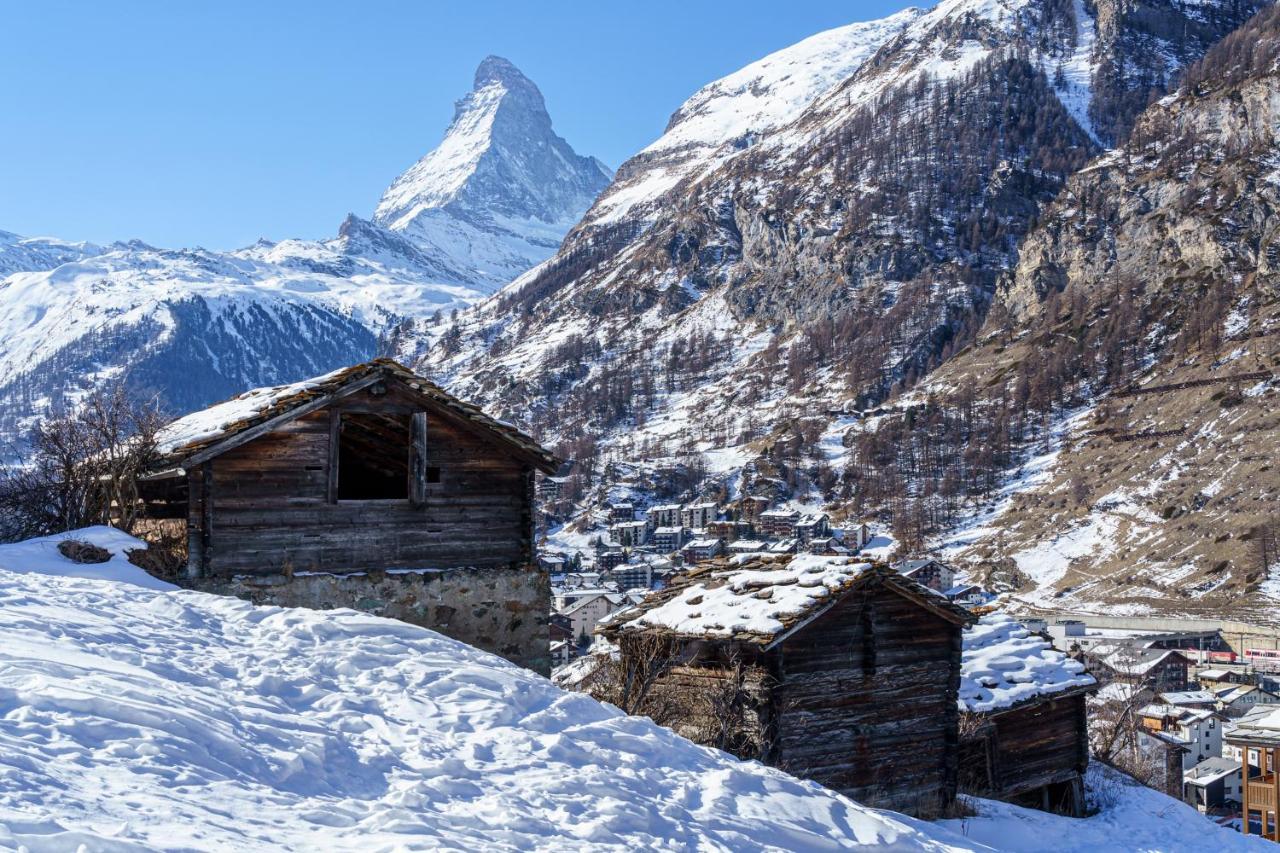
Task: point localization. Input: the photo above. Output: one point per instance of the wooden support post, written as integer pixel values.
(418, 460)
(1244, 789)
(1275, 793)
(206, 517)
(528, 518)
(335, 432)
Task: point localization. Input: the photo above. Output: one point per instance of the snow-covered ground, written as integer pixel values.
(134, 719)
(41, 556)
(1130, 817)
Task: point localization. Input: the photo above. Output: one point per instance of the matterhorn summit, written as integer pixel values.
(500, 191)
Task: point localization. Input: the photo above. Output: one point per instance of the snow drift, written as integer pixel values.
(135, 719)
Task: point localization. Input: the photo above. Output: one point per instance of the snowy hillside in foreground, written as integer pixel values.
(190, 720)
(138, 720)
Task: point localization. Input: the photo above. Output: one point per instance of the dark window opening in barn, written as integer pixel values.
(433, 476)
(373, 457)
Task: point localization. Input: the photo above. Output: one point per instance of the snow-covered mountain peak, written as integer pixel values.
(24, 254)
(499, 192)
(495, 69)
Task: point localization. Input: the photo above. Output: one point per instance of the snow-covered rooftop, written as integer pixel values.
(198, 430)
(1261, 725)
(1188, 697)
(1004, 665)
(1211, 770)
(749, 597)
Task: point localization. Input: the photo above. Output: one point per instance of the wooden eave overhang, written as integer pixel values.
(342, 384)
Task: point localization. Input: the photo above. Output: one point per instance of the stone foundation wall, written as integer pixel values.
(504, 611)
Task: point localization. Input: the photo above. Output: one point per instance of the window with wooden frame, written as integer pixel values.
(379, 456)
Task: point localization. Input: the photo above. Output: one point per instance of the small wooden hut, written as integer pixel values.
(1024, 730)
(362, 472)
(842, 672)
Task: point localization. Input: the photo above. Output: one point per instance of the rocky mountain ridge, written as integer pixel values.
(1160, 494)
(826, 267)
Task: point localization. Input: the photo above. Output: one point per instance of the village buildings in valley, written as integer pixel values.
(687, 534)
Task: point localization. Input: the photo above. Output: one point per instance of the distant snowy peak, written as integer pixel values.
(28, 254)
(501, 171)
(729, 114)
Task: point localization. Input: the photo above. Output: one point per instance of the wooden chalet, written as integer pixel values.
(1024, 727)
(364, 469)
(1257, 735)
(851, 671)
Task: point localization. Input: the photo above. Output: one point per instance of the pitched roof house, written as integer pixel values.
(294, 494)
(851, 670)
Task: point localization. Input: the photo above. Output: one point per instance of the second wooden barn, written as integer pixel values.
(1024, 731)
(842, 672)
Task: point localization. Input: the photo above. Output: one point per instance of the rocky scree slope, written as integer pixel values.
(1152, 281)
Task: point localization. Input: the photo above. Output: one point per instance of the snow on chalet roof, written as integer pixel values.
(1259, 726)
(201, 430)
(1130, 660)
(1004, 665)
(1188, 697)
(754, 598)
(1211, 770)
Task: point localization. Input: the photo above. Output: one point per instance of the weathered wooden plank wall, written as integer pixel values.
(862, 700)
(867, 703)
(1039, 744)
(273, 510)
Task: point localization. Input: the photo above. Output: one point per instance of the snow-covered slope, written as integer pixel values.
(41, 556)
(499, 193)
(198, 326)
(726, 117)
(139, 720)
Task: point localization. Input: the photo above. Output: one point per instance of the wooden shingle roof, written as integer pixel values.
(204, 434)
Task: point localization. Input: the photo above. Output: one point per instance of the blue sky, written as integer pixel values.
(215, 123)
